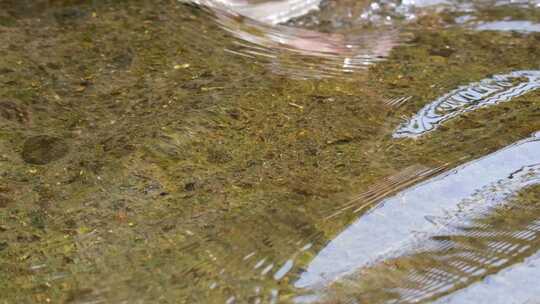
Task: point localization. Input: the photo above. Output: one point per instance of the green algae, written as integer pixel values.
(174, 174)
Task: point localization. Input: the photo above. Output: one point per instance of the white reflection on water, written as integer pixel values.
(487, 92)
(373, 29)
(260, 35)
(510, 26)
(400, 223)
(496, 289)
(299, 52)
(269, 12)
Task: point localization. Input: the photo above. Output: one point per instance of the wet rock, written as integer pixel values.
(53, 66)
(81, 295)
(118, 146)
(124, 60)
(68, 15)
(13, 111)
(4, 201)
(5, 71)
(442, 52)
(70, 223)
(235, 113)
(43, 149)
(190, 186)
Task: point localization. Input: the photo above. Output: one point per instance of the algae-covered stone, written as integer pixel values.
(4, 201)
(14, 111)
(43, 149)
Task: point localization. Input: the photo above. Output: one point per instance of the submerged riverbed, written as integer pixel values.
(354, 152)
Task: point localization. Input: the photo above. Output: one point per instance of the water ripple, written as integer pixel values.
(522, 277)
(257, 33)
(292, 37)
(408, 221)
(483, 245)
(468, 98)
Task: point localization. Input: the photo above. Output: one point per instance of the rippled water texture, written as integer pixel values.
(261, 35)
(488, 92)
(277, 33)
(269, 151)
(431, 218)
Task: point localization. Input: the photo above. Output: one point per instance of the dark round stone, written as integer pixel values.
(4, 201)
(43, 149)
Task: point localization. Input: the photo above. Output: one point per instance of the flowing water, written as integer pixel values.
(269, 151)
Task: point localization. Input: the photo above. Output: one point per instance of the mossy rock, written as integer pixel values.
(43, 149)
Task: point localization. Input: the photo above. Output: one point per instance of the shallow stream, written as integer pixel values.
(265, 151)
